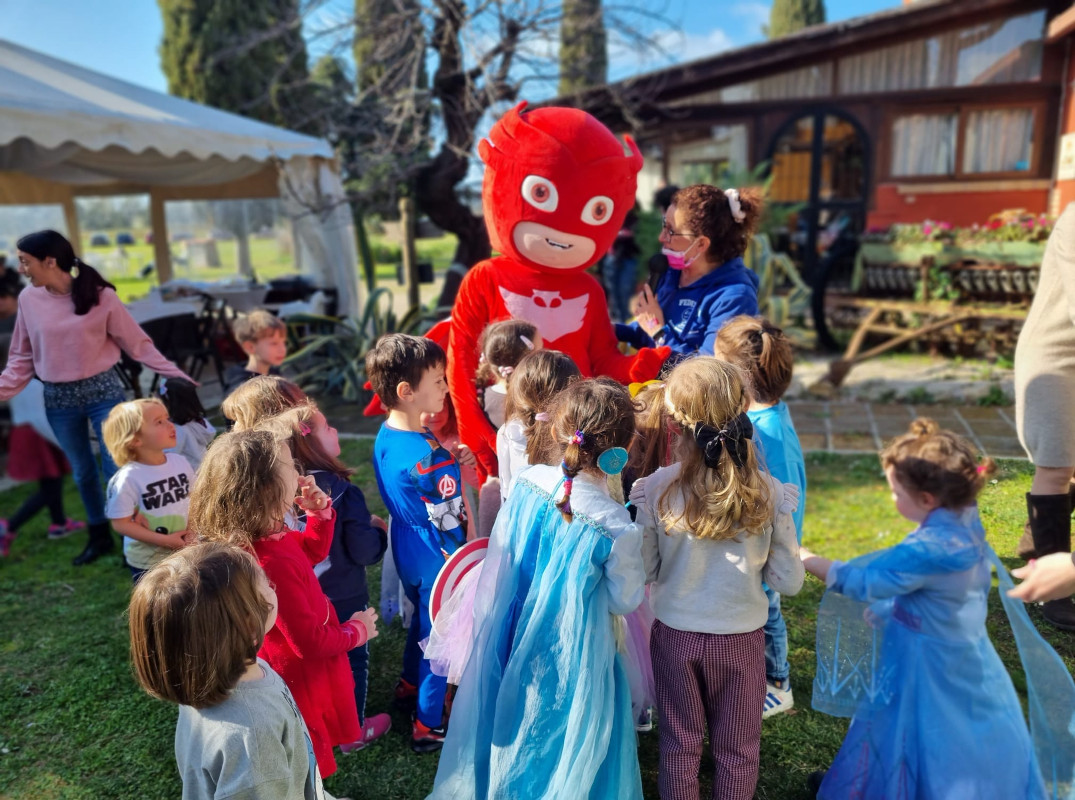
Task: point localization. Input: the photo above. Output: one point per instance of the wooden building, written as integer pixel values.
(949, 110)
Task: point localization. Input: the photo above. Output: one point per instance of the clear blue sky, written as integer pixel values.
(120, 37)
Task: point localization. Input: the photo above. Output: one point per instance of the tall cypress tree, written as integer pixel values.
(246, 56)
(583, 46)
(788, 16)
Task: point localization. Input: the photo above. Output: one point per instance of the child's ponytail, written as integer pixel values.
(590, 417)
(571, 466)
(762, 351)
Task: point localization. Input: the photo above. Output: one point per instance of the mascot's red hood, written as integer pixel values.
(561, 169)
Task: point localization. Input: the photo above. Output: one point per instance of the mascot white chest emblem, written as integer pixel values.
(554, 316)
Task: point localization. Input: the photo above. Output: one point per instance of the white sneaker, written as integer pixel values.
(644, 723)
(778, 699)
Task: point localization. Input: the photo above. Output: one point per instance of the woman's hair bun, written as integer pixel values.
(923, 426)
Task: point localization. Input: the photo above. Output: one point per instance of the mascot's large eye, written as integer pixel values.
(540, 193)
(598, 210)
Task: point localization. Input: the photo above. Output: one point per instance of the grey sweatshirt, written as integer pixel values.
(709, 586)
(252, 746)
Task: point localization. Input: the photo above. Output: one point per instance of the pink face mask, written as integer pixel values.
(676, 259)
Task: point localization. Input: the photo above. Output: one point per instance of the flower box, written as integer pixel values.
(909, 254)
(1024, 254)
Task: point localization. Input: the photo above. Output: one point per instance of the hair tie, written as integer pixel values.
(74, 268)
(980, 469)
(732, 437)
(541, 416)
(734, 205)
(505, 371)
(164, 387)
(578, 437)
(565, 504)
(304, 429)
(526, 340)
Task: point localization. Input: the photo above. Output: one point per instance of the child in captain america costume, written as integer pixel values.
(422, 487)
(557, 187)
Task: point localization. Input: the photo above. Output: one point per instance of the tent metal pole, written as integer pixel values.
(162, 253)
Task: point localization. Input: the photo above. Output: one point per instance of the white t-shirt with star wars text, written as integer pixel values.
(160, 493)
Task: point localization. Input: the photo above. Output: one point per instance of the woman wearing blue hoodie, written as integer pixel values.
(706, 231)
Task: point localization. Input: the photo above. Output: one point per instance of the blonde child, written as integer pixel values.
(543, 708)
(764, 354)
(193, 432)
(939, 717)
(263, 337)
(359, 540)
(714, 529)
(503, 344)
(259, 398)
(525, 438)
(246, 484)
(197, 621)
(150, 483)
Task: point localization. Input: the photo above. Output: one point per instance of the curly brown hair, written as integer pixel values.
(932, 461)
(706, 212)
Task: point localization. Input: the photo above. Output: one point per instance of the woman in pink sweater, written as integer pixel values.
(70, 330)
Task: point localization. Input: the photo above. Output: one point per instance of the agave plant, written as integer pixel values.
(777, 273)
(330, 352)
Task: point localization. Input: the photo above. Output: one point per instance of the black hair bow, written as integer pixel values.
(733, 436)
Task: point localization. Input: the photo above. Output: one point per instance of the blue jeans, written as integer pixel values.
(776, 641)
(620, 278)
(359, 657)
(71, 426)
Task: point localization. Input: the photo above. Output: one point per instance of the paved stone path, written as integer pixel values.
(854, 427)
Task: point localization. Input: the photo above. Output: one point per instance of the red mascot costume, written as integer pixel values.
(557, 187)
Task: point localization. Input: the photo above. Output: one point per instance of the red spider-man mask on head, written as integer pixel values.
(557, 186)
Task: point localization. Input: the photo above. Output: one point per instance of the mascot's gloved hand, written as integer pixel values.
(648, 362)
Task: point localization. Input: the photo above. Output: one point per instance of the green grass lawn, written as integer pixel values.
(267, 257)
(74, 725)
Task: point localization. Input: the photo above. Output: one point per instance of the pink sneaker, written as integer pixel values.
(5, 543)
(65, 530)
(375, 727)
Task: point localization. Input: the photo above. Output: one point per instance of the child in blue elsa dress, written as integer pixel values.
(902, 646)
(543, 708)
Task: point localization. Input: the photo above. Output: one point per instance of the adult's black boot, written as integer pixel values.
(1025, 549)
(1050, 525)
(100, 544)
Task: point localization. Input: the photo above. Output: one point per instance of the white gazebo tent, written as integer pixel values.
(67, 132)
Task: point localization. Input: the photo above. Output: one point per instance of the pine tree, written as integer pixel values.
(788, 16)
(244, 56)
(583, 46)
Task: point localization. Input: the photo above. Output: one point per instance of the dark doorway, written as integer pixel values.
(820, 163)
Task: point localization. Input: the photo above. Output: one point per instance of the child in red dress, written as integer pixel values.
(33, 455)
(244, 487)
